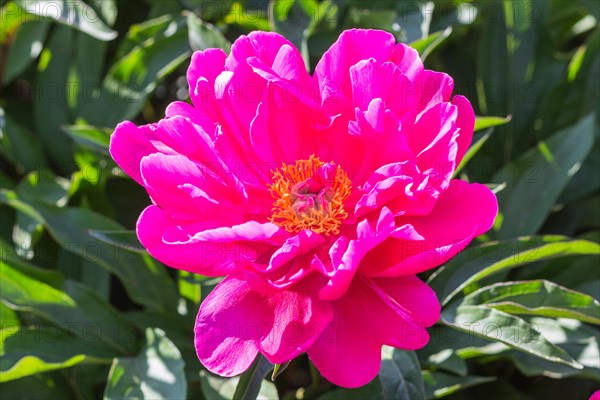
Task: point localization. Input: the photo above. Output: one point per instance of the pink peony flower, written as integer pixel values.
(317, 197)
(595, 395)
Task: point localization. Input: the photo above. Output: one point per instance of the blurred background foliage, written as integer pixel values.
(87, 313)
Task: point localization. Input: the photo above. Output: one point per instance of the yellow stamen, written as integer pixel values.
(307, 196)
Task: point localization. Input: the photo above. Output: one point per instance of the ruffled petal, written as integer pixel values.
(408, 61)
(235, 322)
(346, 254)
(401, 187)
(433, 88)
(291, 262)
(229, 327)
(461, 213)
(383, 142)
(213, 247)
(263, 45)
(465, 123)
(354, 45)
(128, 145)
(373, 312)
(202, 74)
(197, 116)
(186, 190)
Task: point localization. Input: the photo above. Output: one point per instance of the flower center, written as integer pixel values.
(310, 195)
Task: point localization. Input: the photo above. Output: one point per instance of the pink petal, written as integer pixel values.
(212, 247)
(373, 312)
(205, 66)
(292, 261)
(408, 61)
(461, 213)
(346, 255)
(434, 126)
(287, 67)
(187, 190)
(229, 327)
(466, 123)
(433, 87)
(235, 322)
(263, 45)
(383, 142)
(186, 138)
(352, 46)
(371, 80)
(401, 187)
(299, 319)
(128, 144)
(433, 138)
(197, 116)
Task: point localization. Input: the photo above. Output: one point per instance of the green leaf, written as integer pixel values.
(73, 337)
(21, 146)
(140, 34)
(42, 348)
(86, 70)
(441, 384)
(43, 186)
(179, 330)
(479, 262)
(540, 297)
(73, 13)
(26, 48)
(251, 21)
(136, 74)
(13, 17)
(126, 240)
(585, 182)
(70, 305)
(250, 381)
(80, 269)
(145, 281)
(560, 271)
(190, 286)
(475, 147)
(427, 45)
(292, 20)
(438, 354)
(24, 293)
(93, 137)
(488, 122)
(217, 388)
(50, 110)
(8, 317)
(156, 373)
(400, 375)
(278, 370)
(203, 35)
(49, 385)
(505, 328)
(528, 197)
(464, 346)
(371, 391)
(581, 341)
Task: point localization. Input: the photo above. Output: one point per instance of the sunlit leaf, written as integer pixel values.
(542, 298)
(155, 373)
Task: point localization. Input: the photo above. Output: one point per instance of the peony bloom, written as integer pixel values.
(319, 198)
